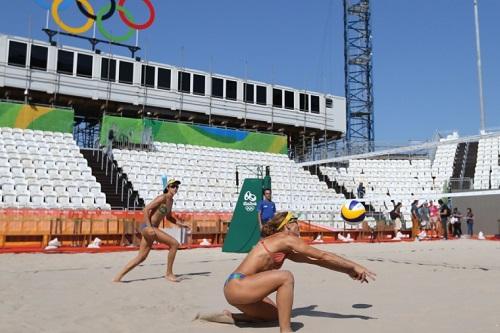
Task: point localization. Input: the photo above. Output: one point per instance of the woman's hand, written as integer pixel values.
(362, 274)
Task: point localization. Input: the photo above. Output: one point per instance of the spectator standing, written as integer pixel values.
(266, 208)
(434, 218)
(444, 213)
(456, 221)
(469, 219)
(424, 215)
(396, 217)
(415, 219)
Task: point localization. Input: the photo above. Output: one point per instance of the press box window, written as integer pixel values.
(304, 102)
(164, 78)
(108, 69)
(84, 65)
(65, 62)
(248, 90)
(315, 104)
(230, 89)
(261, 95)
(148, 76)
(17, 54)
(198, 84)
(217, 87)
(38, 58)
(184, 83)
(278, 98)
(289, 100)
(126, 72)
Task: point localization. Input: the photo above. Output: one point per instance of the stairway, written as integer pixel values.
(108, 183)
(470, 160)
(314, 170)
(459, 160)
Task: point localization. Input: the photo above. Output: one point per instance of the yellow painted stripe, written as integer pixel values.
(28, 114)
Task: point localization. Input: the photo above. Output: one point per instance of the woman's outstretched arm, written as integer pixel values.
(305, 253)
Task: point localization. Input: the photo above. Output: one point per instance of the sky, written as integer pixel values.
(424, 52)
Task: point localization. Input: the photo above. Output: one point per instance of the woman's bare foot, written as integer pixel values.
(117, 279)
(171, 277)
(224, 317)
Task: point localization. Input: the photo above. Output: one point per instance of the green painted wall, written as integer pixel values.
(35, 117)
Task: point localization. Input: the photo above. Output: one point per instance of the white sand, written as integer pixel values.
(422, 287)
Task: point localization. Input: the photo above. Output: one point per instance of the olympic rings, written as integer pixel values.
(116, 39)
(139, 26)
(74, 30)
(106, 16)
(103, 14)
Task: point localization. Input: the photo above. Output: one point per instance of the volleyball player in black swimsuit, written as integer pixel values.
(159, 208)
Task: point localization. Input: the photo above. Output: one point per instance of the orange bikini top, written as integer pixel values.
(278, 257)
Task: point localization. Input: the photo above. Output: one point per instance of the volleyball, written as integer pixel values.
(353, 212)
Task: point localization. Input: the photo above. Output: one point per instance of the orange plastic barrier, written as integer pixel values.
(22, 227)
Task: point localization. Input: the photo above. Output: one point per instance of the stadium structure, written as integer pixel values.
(86, 133)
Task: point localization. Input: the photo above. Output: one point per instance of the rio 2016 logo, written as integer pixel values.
(102, 15)
(250, 201)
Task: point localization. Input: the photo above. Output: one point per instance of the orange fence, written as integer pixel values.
(28, 227)
(21, 227)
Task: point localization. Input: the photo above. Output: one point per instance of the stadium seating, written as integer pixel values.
(209, 184)
(401, 180)
(487, 173)
(41, 169)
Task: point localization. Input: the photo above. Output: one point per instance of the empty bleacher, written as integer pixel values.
(487, 171)
(41, 169)
(209, 184)
(396, 179)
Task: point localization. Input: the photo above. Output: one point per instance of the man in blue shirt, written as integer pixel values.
(266, 208)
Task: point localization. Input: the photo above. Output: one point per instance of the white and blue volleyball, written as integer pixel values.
(353, 212)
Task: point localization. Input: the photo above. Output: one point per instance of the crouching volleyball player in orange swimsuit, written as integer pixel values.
(248, 287)
(154, 213)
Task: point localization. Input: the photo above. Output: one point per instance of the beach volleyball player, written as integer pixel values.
(258, 275)
(154, 212)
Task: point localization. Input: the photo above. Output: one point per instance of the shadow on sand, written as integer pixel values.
(310, 311)
(180, 277)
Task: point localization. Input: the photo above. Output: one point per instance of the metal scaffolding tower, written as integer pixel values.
(358, 76)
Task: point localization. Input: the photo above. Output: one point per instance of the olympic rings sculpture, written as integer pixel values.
(103, 14)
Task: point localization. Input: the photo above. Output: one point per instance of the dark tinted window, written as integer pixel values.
(84, 65)
(65, 62)
(304, 102)
(17, 53)
(278, 98)
(230, 89)
(164, 78)
(217, 87)
(315, 104)
(289, 99)
(248, 92)
(108, 69)
(261, 95)
(38, 58)
(198, 84)
(184, 82)
(329, 103)
(126, 72)
(148, 76)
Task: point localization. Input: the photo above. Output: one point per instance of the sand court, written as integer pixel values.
(434, 286)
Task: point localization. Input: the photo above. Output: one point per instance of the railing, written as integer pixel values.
(116, 176)
(461, 184)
